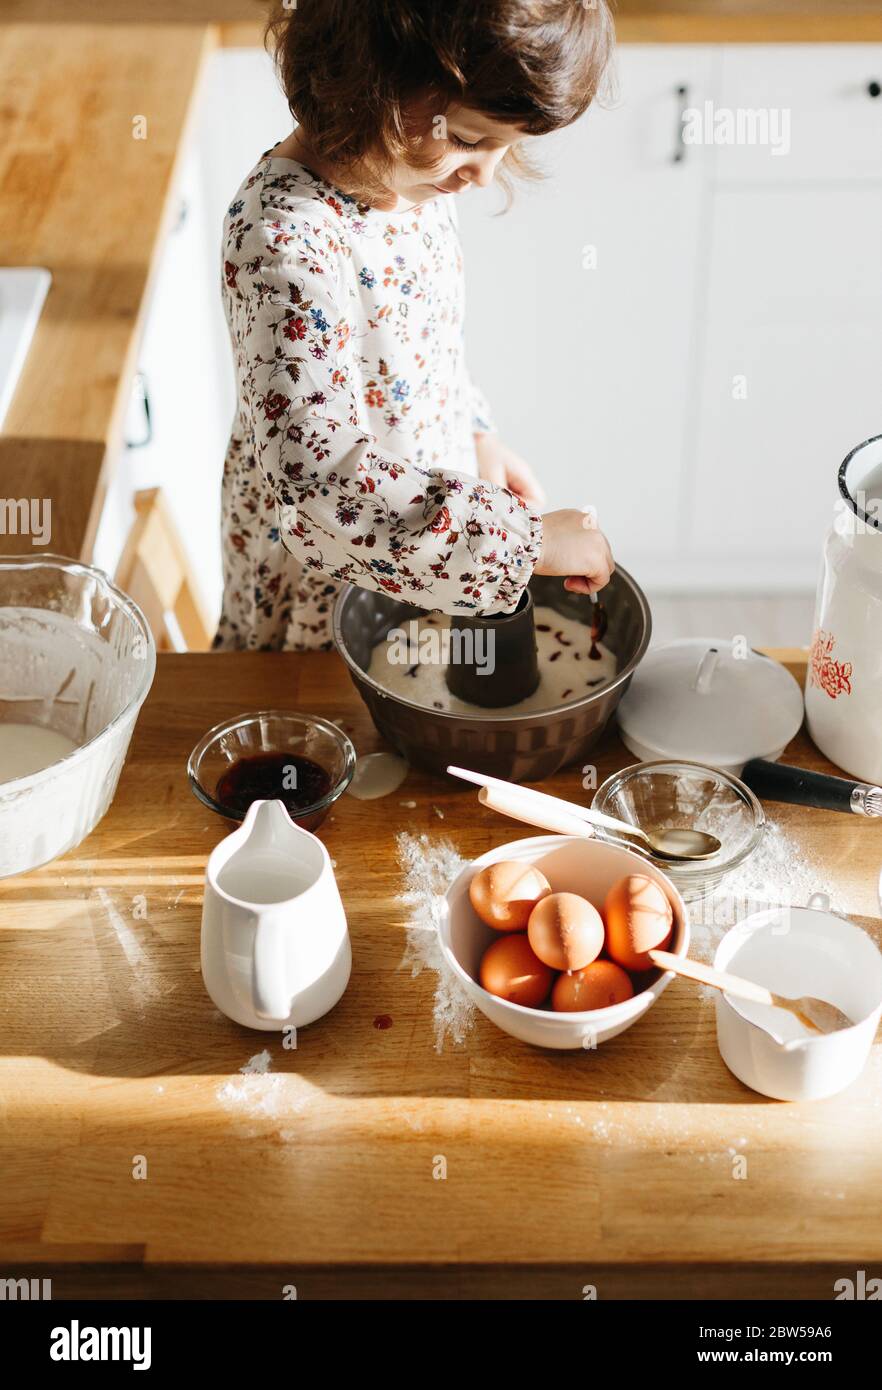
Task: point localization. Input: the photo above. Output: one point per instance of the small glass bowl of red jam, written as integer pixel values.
(299, 759)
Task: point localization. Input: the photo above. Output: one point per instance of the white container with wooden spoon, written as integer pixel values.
(816, 1015)
(796, 952)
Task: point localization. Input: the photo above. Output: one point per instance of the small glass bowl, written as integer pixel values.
(272, 731)
(679, 794)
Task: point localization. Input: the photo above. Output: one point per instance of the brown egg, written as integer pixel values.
(638, 918)
(510, 970)
(565, 931)
(599, 985)
(504, 894)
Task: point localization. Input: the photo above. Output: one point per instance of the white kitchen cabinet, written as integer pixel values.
(589, 368)
(790, 346)
(826, 92)
(182, 362)
(791, 378)
(703, 383)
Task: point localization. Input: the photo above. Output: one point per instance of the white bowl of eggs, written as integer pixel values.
(549, 936)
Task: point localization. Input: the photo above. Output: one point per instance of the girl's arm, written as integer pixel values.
(482, 415)
(499, 464)
(346, 505)
(496, 462)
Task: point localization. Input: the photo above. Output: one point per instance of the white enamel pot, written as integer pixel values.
(843, 693)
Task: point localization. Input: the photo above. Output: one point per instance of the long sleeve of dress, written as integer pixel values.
(348, 507)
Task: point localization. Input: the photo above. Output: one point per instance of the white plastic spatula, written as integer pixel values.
(568, 818)
(553, 818)
(816, 1014)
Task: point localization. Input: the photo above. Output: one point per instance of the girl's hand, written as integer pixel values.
(572, 545)
(500, 465)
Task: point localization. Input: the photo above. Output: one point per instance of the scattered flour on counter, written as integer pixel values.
(258, 1065)
(777, 874)
(429, 867)
(144, 984)
(260, 1093)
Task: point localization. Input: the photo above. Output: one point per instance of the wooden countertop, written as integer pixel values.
(80, 195)
(612, 1168)
(640, 21)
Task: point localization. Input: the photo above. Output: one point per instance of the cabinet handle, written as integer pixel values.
(682, 93)
(874, 88)
(140, 390)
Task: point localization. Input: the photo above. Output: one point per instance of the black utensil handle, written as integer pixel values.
(778, 782)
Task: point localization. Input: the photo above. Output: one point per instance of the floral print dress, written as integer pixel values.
(352, 457)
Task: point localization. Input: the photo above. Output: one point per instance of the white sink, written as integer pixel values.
(22, 294)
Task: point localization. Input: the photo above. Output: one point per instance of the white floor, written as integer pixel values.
(784, 621)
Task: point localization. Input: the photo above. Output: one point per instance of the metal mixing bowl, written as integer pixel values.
(521, 748)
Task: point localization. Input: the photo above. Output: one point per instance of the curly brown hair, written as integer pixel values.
(353, 70)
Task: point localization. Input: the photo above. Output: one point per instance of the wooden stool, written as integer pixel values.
(155, 571)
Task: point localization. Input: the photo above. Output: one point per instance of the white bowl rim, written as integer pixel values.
(613, 1013)
(62, 562)
(739, 932)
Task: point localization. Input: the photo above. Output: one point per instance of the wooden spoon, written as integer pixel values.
(815, 1014)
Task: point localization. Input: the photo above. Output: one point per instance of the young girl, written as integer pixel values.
(362, 451)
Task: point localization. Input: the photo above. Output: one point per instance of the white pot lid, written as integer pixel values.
(709, 700)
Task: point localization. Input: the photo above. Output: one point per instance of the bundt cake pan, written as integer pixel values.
(520, 748)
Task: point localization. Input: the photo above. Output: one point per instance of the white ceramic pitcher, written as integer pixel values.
(275, 944)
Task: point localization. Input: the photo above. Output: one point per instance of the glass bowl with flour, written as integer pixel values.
(77, 660)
